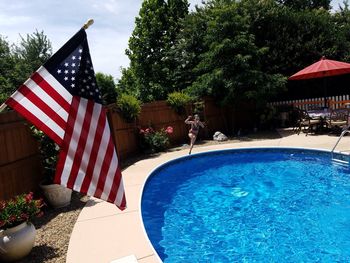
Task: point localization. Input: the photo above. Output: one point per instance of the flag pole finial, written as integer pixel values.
(88, 23)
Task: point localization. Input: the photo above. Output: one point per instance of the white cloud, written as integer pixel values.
(108, 37)
(336, 3)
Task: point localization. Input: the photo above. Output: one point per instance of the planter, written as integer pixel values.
(16, 242)
(57, 195)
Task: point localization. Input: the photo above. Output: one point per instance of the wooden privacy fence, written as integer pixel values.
(20, 168)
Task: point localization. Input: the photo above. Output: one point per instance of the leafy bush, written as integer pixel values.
(178, 100)
(3, 98)
(198, 107)
(48, 154)
(22, 208)
(155, 141)
(129, 106)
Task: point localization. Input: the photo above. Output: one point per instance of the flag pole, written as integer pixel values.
(3, 107)
(88, 23)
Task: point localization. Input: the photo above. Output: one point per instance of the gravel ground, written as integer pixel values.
(55, 227)
(53, 232)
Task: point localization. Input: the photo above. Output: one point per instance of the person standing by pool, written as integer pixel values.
(193, 132)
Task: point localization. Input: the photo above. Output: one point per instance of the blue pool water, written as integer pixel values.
(258, 205)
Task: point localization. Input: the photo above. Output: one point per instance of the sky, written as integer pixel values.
(108, 36)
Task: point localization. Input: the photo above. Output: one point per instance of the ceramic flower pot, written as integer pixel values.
(16, 242)
(57, 195)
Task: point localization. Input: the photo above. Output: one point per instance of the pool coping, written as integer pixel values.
(138, 243)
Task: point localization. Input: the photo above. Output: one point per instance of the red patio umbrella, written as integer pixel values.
(323, 68)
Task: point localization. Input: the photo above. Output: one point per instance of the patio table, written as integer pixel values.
(322, 115)
(319, 114)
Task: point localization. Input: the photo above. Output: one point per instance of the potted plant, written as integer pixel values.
(17, 233)
(56, 195)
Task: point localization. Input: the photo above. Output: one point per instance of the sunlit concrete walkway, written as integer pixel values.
(103, 234)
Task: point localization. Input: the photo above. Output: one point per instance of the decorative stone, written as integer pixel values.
(219, 136)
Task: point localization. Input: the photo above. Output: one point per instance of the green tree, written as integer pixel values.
(108, 88)
(128, 83)
(230, 66)
(33, 51)
(306, 4)
(188, 47)
(154, 35)
(7, 64)
(295, 38)
(19, 62)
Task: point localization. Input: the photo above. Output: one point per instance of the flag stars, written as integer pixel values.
(67, 72)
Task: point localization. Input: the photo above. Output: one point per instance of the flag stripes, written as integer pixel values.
(61, 100)
(75, 169)
(34, 115)
(41, 104)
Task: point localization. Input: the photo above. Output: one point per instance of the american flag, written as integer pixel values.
(62, 99)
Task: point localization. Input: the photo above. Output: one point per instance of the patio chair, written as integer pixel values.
(338, 119)
(307, 124)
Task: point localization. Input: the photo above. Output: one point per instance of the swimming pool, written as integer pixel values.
(249, 205)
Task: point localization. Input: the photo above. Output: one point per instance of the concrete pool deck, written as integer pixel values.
(104, 234)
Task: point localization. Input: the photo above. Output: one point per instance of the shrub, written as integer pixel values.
(155, 141)
(178, 100)
(48, 154)
(198, 107)
(22, 208)
(129, 106)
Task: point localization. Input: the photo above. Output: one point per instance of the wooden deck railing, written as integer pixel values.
(333, 102)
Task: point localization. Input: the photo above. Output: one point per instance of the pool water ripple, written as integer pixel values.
(278, 206)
